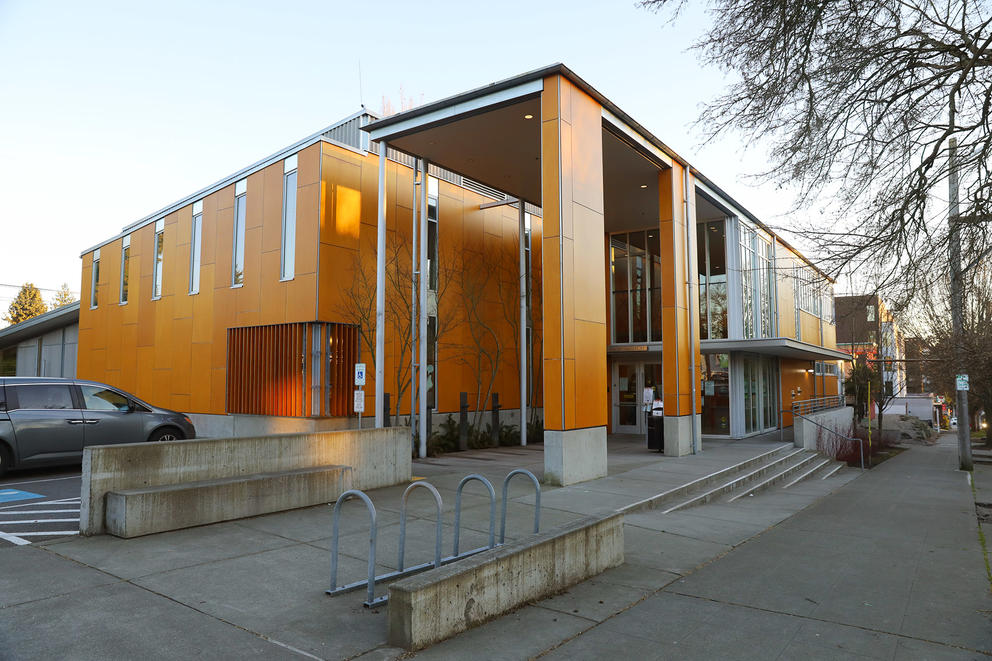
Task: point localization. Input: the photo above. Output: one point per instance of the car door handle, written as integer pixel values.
(91, 422)
(75, 422)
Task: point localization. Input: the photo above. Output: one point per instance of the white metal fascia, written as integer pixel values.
(734, 210)
(465, 107)
(226, 181)
(637, 138)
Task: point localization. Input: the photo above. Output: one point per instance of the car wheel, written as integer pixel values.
(166, 434)
(6, 459)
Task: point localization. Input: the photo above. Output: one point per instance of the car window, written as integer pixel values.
(3, 399)
(49, 396)
(96, 398)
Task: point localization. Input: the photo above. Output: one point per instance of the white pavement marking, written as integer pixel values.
(51, 479)
(25, 521)
(13, 539)
(63, 501)
(42, 512)
(47, 532)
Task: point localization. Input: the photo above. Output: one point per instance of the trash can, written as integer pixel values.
(656, 433)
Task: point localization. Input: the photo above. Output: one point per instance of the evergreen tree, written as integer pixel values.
(28, 303)
(63, 296)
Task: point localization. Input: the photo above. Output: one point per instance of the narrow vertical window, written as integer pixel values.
(238, 249)
(432, 362)
(194, 248)
(159, 254)
(125, 263)
(95, 280)
(432, 216)
(288, 218)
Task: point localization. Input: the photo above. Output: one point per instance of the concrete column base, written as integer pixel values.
(678, 434)
(575, 455)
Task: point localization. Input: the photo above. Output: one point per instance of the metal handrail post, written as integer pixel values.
(537, 501)
(458, 509)
(437, 502)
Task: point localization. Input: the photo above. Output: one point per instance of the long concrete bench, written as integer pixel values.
(440, 603)
(147, 510)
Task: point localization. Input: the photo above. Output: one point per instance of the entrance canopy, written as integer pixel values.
(774, 346)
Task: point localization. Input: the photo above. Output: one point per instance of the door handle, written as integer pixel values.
(75, 422)
(91, 422)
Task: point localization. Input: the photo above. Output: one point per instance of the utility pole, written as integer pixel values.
(957, 309)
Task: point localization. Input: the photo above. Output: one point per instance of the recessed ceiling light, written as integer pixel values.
(644, 185)
(528, 116)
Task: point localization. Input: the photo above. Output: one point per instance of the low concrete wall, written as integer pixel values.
(440, 603)
(377, 457)
(840, 420)
(136, 512)
(575, 455)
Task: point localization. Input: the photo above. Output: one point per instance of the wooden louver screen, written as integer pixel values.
(297, 369)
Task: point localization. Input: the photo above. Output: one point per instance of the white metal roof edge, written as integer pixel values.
(240, 174)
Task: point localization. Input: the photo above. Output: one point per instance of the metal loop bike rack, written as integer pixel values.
(537, 502)
(458, 512)
(347, 495)
(369, 583)
(437, 543)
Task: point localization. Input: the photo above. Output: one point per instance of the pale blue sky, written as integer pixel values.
(112, 110)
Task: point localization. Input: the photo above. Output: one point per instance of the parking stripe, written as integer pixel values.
(26, 521)
(53, 533)
(42, 512)
(13, 539)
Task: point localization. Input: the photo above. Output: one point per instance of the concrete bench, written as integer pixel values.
(147, 510)
(440, 603)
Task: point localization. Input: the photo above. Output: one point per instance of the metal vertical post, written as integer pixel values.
(957, 309)
(424, 278)
(414, 273)
(380, 289)
(523, 324)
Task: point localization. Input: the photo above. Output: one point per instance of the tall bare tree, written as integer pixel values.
(858, 102)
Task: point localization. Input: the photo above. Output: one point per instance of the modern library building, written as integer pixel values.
(526, 239)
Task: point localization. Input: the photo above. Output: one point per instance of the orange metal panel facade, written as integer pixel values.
(574, 296)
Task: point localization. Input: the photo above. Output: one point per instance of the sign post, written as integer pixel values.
(359, 403)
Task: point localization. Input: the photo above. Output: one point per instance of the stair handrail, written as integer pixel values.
(861, 442)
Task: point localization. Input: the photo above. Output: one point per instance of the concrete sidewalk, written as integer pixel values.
(254, 588)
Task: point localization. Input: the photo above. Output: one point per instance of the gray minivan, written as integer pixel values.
(48, 421)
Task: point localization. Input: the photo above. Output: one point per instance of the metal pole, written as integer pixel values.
(414, 272)
(424, 278)
(957, 309)
(380, 289)
(523, 324)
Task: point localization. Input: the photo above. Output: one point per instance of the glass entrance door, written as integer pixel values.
(626, 399)
(631, 383)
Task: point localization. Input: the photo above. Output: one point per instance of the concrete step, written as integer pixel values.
(776, 462)
(706, 481)
(797, 465)
(834, 470)
(818, 466)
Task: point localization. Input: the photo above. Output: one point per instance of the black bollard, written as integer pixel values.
(495, 422)
(385, 410)
(463, 421)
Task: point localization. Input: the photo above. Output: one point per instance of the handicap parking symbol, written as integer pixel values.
(10, 495)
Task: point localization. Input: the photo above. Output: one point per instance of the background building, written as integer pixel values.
(867, 327)
(41, 346)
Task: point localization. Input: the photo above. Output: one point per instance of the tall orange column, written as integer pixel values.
(679, 310)
(574, 289)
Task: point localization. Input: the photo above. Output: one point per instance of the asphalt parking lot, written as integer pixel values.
(38, 505)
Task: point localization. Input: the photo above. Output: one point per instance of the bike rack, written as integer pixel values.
(537, 502)
(437, 542)
(458, 513)
(369, 583)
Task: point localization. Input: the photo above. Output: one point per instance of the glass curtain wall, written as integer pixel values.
(757, 284)
(760, 389)
(635, 287)
(711, 238)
